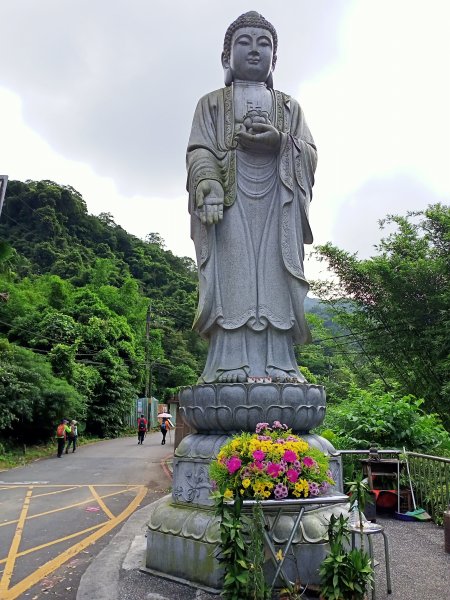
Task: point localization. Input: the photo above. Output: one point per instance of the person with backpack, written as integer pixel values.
(142, 429)
(165, 426)
(61, 436)
(72, 436)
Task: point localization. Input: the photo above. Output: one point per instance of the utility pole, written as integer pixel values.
(3, 182)
(4, 296)
(148, 368)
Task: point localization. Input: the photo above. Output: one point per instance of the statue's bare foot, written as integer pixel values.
(233, 376)
(285, 376)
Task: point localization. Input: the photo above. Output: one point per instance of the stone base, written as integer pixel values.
(182, 543)
(235, 407)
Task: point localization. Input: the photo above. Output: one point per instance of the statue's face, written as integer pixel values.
(251, 54)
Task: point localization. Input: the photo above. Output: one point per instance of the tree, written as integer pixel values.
(396, 304)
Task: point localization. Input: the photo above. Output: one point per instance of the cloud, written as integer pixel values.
(114, 84)
(356, 228)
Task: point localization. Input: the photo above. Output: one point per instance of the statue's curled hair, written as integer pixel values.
(249, 19)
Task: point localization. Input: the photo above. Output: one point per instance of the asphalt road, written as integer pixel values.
(57, 514)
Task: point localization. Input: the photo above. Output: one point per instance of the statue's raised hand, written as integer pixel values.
(261, 137)
(209, 198)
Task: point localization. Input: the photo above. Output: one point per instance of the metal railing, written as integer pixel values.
(431, 482)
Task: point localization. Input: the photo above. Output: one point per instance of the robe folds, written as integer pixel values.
(250, 264)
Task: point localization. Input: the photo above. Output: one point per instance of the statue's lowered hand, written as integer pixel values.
(209, 198)
(260, 138)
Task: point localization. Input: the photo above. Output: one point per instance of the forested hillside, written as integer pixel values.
(79, 291)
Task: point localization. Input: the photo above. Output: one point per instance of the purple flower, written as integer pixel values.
(234, 464)
(264, 438)
(280, 441)
(273, 469)
(313, 488)
(277, 425)
(280, 491)
(324, 487)
(261, 426)
(259, 455)
(298, 465)
(292, 475)
(290, 456)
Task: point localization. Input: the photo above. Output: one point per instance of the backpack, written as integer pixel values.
(60, 430)
(141, 425)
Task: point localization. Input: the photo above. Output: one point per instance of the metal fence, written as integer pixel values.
(431, 480)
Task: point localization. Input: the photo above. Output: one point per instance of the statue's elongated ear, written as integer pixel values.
(228, 73)
(269, 80)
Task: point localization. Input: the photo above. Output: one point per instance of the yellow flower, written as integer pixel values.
(301, 487)
(279, 554)
(242, 491)
(228, 494)
(246, 483)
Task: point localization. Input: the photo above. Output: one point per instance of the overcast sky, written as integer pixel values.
(100, 94)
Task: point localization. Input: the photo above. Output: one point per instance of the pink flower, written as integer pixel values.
(292, 475)
(259, 455)
(261, 427)
(273, 469)
(234, 464)
(290, 456)
(308, 461)
(258, 465)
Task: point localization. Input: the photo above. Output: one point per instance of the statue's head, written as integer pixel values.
(250, 49)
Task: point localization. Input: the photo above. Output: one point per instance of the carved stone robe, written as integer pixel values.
(250, 264)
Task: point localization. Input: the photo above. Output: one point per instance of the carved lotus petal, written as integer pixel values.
(224, 418)
(284, 414)
(232, 395)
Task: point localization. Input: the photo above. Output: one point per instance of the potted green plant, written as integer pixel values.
(346, 573)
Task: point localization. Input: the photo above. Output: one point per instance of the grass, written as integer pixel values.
(16, 456)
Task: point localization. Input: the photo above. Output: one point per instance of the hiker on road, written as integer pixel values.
(72, 436)
(61, 436)
(142, 429)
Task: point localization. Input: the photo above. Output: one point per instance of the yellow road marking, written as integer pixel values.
(53, 542)
(60, 485)
(100, 502)
(74, 487)
(49, 512)
(55, 563)
(12, 555)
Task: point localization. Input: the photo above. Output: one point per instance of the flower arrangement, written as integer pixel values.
(271, 463)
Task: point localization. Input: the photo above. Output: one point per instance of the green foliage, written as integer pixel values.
(241, 551)
(386, 419)
(32, 399)
(345, 575)
(397, 304)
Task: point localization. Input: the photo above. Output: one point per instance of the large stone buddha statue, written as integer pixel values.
(251, 162)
